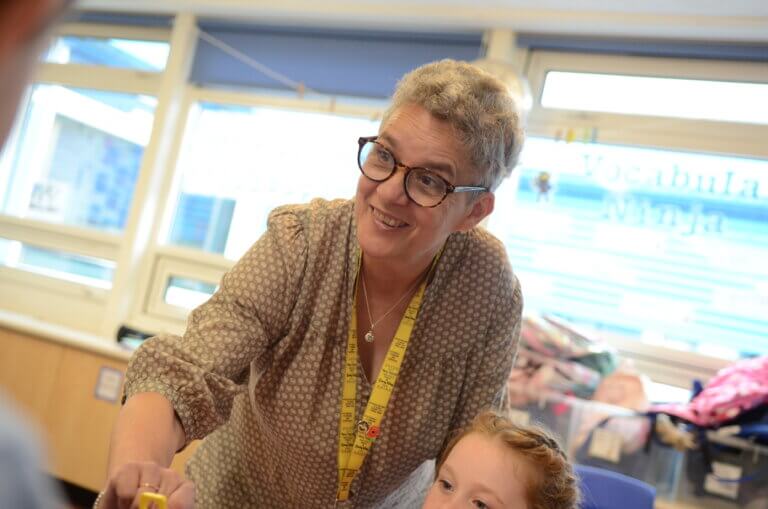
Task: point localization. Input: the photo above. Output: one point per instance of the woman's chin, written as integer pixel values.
(377, 236)
(377, 248)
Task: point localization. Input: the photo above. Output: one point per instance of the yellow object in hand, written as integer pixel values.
(147, 498)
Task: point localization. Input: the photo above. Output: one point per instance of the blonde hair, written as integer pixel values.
(551, 482)
(477, 105)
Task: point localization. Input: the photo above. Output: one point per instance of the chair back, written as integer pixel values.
(604, 489)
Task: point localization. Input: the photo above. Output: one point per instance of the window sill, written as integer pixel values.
(63, 335)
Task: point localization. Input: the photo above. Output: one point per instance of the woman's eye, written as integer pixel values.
(427, 180)
(445, 485)
(384, 155)
(480, 504)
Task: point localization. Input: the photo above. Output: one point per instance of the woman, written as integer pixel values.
(317, 301)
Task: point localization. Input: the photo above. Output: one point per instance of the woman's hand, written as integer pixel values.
(145, 438)
(130, 480)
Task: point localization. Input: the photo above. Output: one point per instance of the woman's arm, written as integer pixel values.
(147, 430)
(179, 389)
(202, 372)
(145, 438)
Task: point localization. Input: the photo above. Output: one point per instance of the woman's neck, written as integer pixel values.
(391, 278)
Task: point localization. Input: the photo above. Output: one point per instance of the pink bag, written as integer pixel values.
(735, 389)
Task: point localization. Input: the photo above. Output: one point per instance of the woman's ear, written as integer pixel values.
(479, 209)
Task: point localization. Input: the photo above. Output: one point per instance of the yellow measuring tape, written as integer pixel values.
(356, 439)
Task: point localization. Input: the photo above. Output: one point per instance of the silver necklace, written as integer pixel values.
(369, 337)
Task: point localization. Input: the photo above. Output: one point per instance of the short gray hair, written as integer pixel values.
(477, 104)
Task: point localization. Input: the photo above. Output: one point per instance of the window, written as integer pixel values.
(122, 53)
(695, 105)
(667, 247)
(667, 97)
(86, 270)
(78, 157)
(643, 226)
(182, 282)
(238, 163)
(71, 171)
(187, 293)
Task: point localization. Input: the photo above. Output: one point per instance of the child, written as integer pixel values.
(495, 464)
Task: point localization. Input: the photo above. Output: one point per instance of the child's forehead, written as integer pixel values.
(479, 442)
(488, 461)
(478, 437)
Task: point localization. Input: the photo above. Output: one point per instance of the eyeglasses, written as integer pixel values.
(423, 186)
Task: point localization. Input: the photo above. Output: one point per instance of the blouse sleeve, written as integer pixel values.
(488, 367)
(202, 371)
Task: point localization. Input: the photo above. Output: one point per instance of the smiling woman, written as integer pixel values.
(376, 325)
(390, 228)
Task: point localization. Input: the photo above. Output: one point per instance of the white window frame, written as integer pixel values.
(662, 364)
(174, 261)
(21, 280)
(110, 31)
(60, 237)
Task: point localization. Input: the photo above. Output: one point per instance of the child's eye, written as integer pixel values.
(445, 485)
(480, 504)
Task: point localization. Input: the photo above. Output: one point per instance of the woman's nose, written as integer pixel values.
(393, 189)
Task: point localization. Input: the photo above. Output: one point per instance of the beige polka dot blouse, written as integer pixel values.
(258, 371)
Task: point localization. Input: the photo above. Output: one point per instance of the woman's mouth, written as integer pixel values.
(387, 221)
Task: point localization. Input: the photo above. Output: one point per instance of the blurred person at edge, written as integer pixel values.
(24, 29)
(305, 321)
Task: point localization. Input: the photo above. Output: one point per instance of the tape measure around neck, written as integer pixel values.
(356, 439)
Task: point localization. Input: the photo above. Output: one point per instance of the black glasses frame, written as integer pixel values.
(449, 188)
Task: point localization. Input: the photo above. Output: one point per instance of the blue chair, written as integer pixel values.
(604, 489)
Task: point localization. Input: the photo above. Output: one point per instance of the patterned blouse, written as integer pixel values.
(258, 371)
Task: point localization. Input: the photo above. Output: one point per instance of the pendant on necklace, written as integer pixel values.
(369, 336)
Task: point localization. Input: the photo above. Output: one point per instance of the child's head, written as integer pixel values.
(496, 464)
